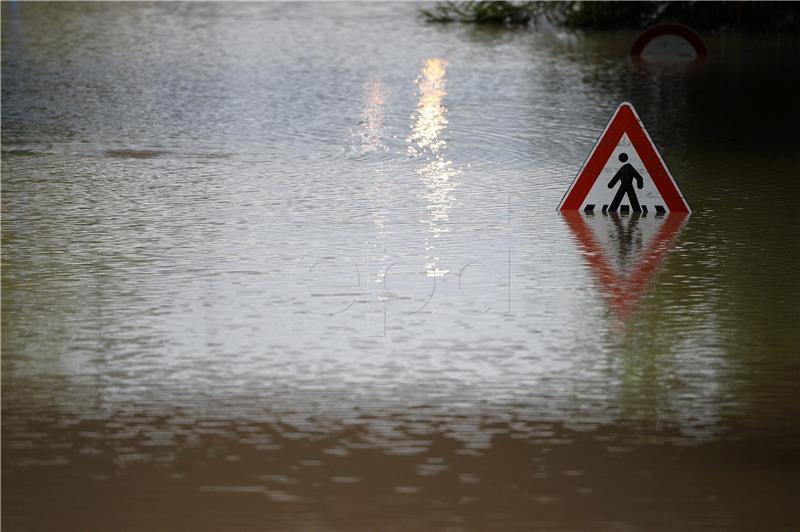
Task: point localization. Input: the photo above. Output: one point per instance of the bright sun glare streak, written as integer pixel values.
(372, 118)
(425, 140)
(371, 139)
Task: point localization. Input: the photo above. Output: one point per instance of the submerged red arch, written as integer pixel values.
(669, 29)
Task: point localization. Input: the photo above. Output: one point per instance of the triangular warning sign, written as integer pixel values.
(624, 173)
(624, 252)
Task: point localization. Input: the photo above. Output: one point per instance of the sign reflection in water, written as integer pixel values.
(624, 252)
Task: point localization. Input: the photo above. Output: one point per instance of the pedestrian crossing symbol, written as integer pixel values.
(624, 173)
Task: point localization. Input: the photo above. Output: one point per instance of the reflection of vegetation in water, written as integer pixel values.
(482, 12)
(576, 14)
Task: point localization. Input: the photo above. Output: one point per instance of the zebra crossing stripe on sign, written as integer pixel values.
(624, 173)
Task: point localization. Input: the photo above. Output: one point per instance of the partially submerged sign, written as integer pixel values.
(673, 30)
(624, 173)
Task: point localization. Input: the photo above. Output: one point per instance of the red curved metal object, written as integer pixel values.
(669, 29)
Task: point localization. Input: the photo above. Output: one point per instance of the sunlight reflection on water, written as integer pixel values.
(426, 141)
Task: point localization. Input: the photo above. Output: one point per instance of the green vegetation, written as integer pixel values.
(609, 15)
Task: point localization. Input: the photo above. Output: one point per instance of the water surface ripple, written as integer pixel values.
(298, 266)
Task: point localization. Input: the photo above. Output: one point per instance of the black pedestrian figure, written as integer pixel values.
(625, 176)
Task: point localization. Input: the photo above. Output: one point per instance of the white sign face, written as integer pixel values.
(628, 190)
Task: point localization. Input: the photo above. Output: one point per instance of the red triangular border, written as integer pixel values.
(625, 120)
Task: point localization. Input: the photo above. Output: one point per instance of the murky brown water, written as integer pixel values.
(298, 267)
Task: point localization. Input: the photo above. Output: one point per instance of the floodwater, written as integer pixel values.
(298, 267)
